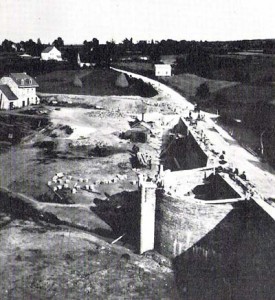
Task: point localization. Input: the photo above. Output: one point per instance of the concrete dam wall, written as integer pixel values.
(181, 223)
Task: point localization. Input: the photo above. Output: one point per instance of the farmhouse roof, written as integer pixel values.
(8, 92)
(49, 49)
(163, 66)
(23, 80)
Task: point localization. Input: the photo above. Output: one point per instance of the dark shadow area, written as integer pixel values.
(53, 149)
(122, 213)
(134, 161)
(181, 150)
(233, 261)
(214, 188)
(14, 127)
(175, 155)
(18, 209)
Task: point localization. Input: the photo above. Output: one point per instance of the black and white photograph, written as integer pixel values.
(137, 149)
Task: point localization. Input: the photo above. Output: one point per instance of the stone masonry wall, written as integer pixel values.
(181, 223)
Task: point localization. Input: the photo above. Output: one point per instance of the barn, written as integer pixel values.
(51, 53)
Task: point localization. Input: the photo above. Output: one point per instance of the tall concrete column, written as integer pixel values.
(147, 218)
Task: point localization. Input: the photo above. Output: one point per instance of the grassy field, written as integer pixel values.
(250, 69)
(187, 84)
(43, 261)
(97, 82)
(249, 93)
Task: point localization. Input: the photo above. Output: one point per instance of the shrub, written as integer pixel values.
(67, 129)
(77, 82)
(203, 91)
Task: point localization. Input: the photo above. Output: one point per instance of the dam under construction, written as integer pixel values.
(204, 213)
(167, 203)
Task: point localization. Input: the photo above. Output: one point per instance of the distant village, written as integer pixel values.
(95, 53)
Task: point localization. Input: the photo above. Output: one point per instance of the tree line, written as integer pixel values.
(152, 49)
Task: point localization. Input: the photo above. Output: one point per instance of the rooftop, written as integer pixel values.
(23, 80)
(8, 92)
(49, 49)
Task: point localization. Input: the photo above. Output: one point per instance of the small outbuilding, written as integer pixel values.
(139, 132)
(163, 70)
(136, 135)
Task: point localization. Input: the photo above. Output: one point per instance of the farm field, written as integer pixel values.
(97, 82)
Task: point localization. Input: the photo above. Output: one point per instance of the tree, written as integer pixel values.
(180, 65)
(143, 47)
(7, 46)
(155, 53)
(77, 82)
(198, 61)
(58, 43)
(71, 56)
(220, 101)
(203, 91)
(95, 42)
(128, 43)
(31, 47)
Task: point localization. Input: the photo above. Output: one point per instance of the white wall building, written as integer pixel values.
(17, 90)
(51, 53)
(163, 70)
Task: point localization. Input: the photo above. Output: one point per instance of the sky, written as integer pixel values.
(106, 20)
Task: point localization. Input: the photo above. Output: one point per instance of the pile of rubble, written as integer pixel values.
(89, 142)
(61, 181)
(106, 114)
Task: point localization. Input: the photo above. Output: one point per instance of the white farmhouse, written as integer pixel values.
(17, 90)
(51, 53)
(163, 70)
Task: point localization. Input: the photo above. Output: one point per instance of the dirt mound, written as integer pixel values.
(122, 81)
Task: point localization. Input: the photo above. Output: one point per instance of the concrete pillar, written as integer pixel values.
(147, 218)
(160, 170)
(140, 180)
